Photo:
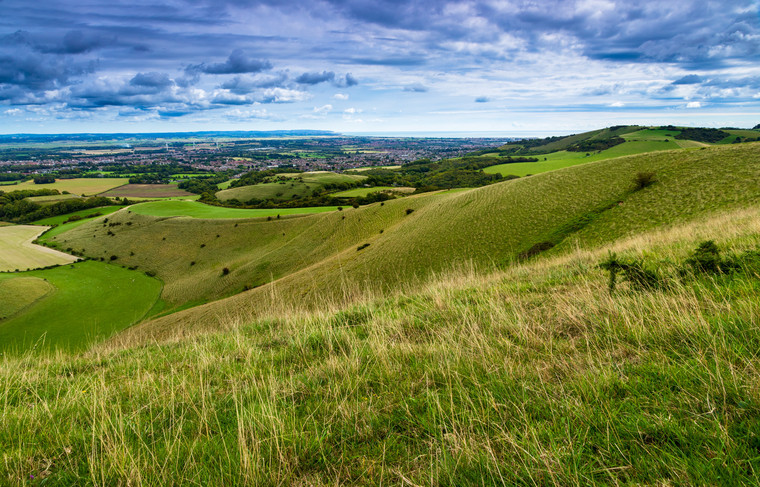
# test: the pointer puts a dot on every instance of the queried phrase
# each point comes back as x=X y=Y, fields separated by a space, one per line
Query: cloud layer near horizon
x=397 y=63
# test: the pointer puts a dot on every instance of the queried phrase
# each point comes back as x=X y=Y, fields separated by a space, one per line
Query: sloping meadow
x=532 y=375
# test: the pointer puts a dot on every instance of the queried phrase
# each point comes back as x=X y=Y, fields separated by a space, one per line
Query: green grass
x=352 y=193
x=638 y=142
x=199 y=210
x=65 y=227
x=295 y=186
x=58 y=220
x=18 y=253
x=591 y=203
x=531 y=376
x=49 y=200
x=91 y=301
x=16 y=294
x=78 y=186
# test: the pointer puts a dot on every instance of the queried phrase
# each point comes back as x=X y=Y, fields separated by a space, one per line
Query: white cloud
x=323 y=109
x=13 y=111
x=617 y=104
x=352 y=110
x=694 y=104
x=340 y=96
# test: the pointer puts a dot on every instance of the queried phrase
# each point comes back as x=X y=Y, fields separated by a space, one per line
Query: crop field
x=146 y=191
x=79 y=186
x=90 y=302
x=49 y=200
x=302 y=185
x=194 y=209
x=18 y=252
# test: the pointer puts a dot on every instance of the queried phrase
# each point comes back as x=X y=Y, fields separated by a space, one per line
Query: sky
x=376 y=66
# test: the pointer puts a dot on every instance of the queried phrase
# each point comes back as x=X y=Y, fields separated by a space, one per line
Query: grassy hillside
x=326 y=255
x=90 y=301
x=535 y=375
x=636 y=142
x=194 y=209
x=292 y=185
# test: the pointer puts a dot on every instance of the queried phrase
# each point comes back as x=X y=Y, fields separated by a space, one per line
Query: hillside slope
x=535 y=375
x=494 y=225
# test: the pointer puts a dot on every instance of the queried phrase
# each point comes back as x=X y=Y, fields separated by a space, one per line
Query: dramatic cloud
x=315 y=78
x=238 y=62
x=209 y=61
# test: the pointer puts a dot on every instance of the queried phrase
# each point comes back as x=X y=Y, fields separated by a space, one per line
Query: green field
x=359 y=192
x=49 y=200
x=639 y=142
x=199 y=210
x=17 y=251
x=91 y=301
x=64 y=227
x=79 y=186
x=19 y=293
x=302 y=185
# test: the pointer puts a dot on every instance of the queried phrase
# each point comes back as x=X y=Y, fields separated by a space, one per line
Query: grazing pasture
x=64 y=226
x=18 y=252
x=16 y=294
x=91 y=301
x=78 y=186
x=194 y=209
x=146 y=191
x=360 y=192
x=49 y=200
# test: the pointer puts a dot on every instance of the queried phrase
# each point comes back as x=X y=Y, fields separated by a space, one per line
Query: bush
x=409 y=211
x=225 y=271
x=644 y=179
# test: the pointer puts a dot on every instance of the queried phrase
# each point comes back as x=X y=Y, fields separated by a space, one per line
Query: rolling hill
x=290 y=185
x=318 y=256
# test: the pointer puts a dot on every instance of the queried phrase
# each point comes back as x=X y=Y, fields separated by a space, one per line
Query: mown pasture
x=49 y=200
x=78 y=186
x=17 y=252
x=90 y=301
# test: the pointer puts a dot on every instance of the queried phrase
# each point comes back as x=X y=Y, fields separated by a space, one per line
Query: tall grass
x=536 y=375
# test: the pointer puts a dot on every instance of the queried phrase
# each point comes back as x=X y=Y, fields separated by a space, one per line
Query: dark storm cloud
x=151 y=80
x=237 y=63
x=39 y=72
x=315 y=78
x=242 y=85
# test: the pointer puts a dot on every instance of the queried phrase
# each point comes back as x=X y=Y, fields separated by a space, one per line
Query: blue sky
x=509 y=66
